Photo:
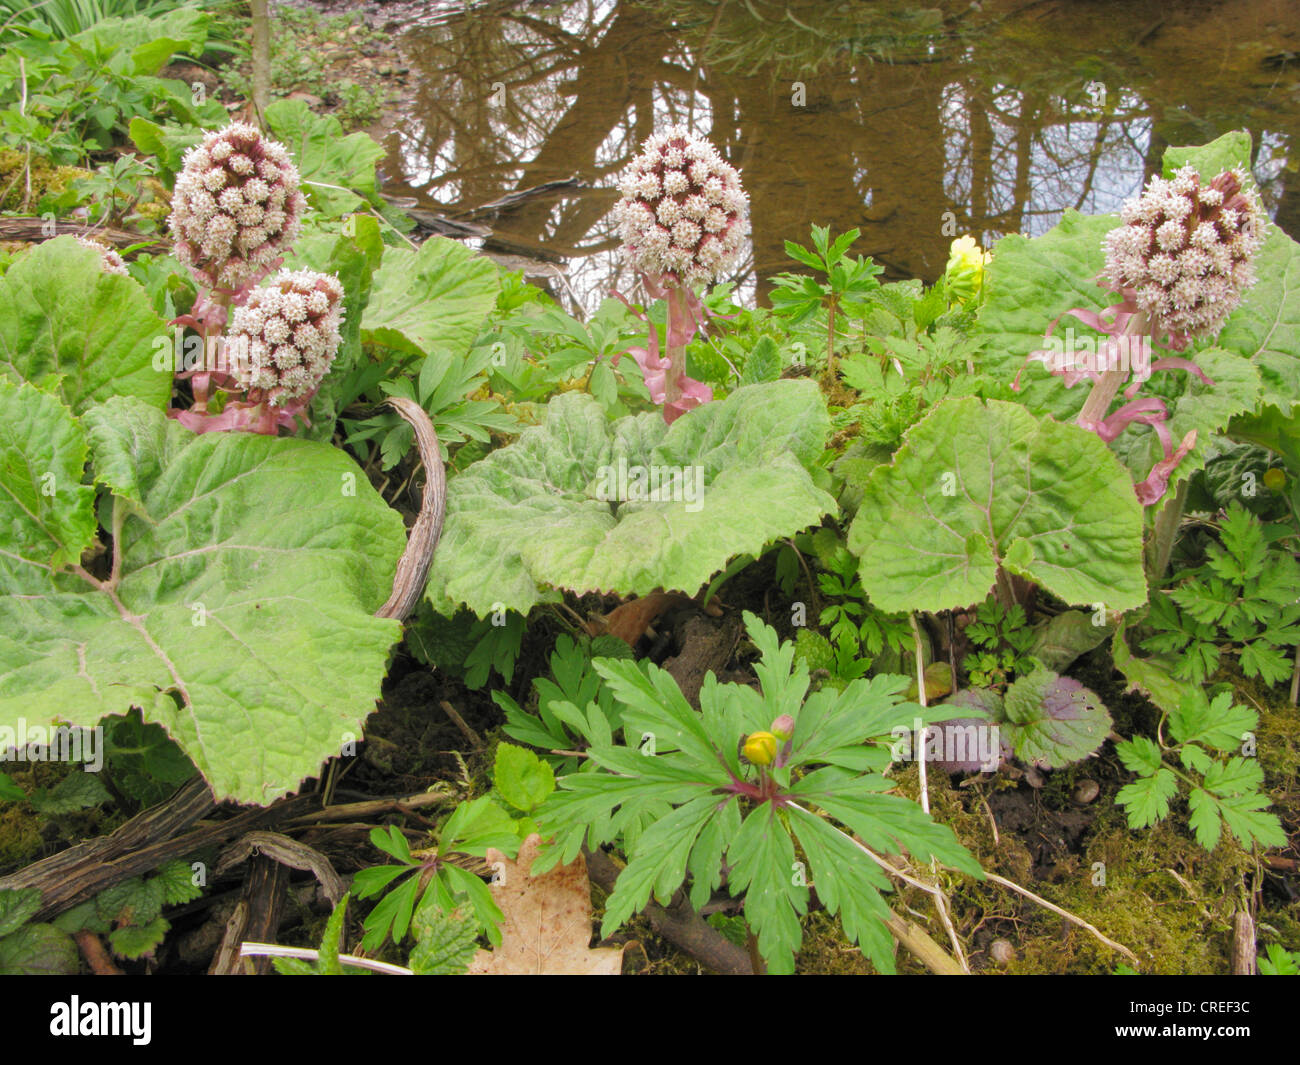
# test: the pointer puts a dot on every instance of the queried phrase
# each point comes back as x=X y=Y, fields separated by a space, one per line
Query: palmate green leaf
x=979 y=485
x=38 y=950
x=522 y=778
x=658 y=866
x=528 y=519
x=445 y=943
x=848 y=884
x=242 y=620
x=1217 y=723
x=1258 y=659
x=763 y=867
x=1146 y=800
x=1224 y=153
x=884 y=823
x=17 y=907
x=436 y=297
x=70 y=328
x=1030 y=283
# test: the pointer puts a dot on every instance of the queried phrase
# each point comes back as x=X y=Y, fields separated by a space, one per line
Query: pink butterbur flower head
x=236 y=208
x=284 y=337
x=683 y=217
x=1184 y=251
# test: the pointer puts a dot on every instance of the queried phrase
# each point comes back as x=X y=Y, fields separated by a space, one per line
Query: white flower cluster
x=110 y=262
x=236 y=207
x=682 y=217
x=1186 y=250
x=284 y=336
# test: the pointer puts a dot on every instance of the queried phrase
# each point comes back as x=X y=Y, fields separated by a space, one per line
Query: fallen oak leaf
x=547 y=923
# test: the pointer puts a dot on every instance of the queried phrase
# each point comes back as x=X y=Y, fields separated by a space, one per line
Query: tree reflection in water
x=913 y=125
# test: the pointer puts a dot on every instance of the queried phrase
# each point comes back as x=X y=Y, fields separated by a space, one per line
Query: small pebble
x=1085 y=791
x=1002 y=952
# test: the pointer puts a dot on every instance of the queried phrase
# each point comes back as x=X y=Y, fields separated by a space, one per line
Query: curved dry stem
x=413 y=566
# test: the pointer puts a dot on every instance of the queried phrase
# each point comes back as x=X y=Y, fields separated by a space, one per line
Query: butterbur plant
x=1180 y=262
x=743 y=782
x=682 y=219
x=236 y=211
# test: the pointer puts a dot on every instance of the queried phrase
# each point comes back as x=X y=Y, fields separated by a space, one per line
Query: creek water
x=914 y=123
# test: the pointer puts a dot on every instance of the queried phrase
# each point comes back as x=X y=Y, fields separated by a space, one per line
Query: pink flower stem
x=1106 y=387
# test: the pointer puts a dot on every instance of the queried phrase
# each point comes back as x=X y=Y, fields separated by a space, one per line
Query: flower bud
x=783 y=727
x=760 y=748
x=1274 y=479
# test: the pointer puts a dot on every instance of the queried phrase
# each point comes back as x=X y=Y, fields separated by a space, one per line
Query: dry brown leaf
x=547 y=922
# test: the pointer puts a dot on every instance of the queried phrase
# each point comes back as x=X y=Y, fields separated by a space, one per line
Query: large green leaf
x=981 y=485
x=325 y=157
x=434 y=298
x=241 y=615
x=67 y=325
x=48 y=513
x=529 y=518
x=1266 y=330
x=1031 y=282
x=1226 y=152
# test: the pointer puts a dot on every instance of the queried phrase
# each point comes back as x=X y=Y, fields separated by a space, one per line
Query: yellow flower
x=760 y=748
x=964 y=274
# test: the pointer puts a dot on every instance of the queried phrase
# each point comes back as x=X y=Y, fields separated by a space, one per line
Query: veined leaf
x=241 y=620
x=981 y=486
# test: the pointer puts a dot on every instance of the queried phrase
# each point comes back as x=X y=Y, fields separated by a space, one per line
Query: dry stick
x=1063 y=913
x=940 y=902
x=92 y=949
x=1295 y=679
x=274 y=950
x=1243 y=944
x=468 y=732
x=678 y=923
x=1008 y=884
x=361 y=810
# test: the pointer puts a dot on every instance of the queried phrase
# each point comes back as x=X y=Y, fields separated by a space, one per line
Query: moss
x=46 y=180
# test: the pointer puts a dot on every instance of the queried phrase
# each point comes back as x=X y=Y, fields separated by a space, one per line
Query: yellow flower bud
x=760 y=748
x=964 y=274
x=1274 y=479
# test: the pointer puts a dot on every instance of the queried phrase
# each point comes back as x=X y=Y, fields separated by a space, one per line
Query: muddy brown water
x=911 y=122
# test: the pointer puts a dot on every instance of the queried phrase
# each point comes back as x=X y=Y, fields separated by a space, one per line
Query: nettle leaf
x=17 y=906
x=1031 y=282
x=982 y=485
x=529 y=518
x=436 y=297
x=68 y=327
x=38 y=950
x=242 y=617
x=1052 y=720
